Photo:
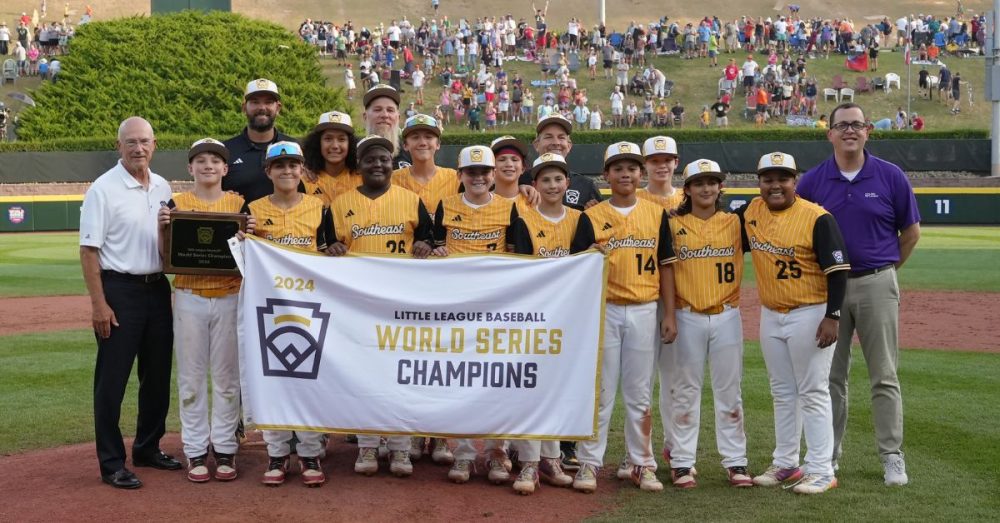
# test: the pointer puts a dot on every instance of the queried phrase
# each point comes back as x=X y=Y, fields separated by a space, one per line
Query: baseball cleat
x=461 y=471
x=399 y=463
x=624 y=471
x=775 y=475
x=683 y=478
x=527 y=480
x=312 y=472
x=815 y=484
x=739 y=477
x=275 y=474
x=367 y=462
x=441 y=454
x=569 y=461
x=586 y=479
x=498 y=472
x=645 y=478
x=551 y=471
x=416 y=448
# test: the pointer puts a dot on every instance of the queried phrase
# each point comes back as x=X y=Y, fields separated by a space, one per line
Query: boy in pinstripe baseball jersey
x=293 y=219
x=801 y=265
x=708 y=272
x=379 y=217
x=204 y=328
x=476 y=221
x=636 y=236
x=422 y=140
x=545 y=231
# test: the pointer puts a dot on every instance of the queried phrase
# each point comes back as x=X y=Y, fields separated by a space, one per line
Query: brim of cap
x=421 y=126
x=778 y=168
x=511 y=142
x=662 y=153
x=552 y=163
x=208 y=148
x=333 y=125
x=714 y=174
x=477 y=164
x=381 y=142
x=566 y=125
x=376 y=93
x=624 y=156
x=264 y=91
x=298 y=157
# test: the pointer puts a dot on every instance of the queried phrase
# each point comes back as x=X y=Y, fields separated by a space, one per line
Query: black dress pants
x=145 y=332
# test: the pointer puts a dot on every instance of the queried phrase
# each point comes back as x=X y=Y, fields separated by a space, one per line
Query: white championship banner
x=463 y=346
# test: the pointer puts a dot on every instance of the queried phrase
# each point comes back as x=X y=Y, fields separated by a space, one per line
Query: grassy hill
x=618 y=12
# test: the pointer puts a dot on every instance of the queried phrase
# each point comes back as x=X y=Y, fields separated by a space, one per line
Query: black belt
x=869 y=272
x=137 y=278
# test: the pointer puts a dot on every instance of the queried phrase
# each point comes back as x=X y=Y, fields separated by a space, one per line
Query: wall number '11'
x=942 y=206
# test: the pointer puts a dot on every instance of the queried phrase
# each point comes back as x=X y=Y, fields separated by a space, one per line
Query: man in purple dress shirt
x=877 y=212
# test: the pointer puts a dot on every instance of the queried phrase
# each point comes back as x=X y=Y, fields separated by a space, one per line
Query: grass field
x=48 y=264
x=46 y=379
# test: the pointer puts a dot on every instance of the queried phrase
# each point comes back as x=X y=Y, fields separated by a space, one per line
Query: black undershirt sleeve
x=440 y=232
x=665 y=247
x=831 y=252
x=424 y=231
x=584 y=236
x=836 y=288
x=521 y=238
x=324 y=234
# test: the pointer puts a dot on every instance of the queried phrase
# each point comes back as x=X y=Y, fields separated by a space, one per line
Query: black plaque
x=198 y=243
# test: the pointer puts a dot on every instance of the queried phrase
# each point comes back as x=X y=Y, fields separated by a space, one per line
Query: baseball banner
x=463 y=346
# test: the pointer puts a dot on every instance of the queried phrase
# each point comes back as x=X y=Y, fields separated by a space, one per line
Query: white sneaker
x=367 y=462
x=624 y=471
x=815 y=484
x=461 y=471
x=441 y=453
x=399 y=463
x=895 y=470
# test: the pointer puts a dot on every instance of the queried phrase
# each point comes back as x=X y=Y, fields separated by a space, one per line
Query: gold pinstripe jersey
x=520 y=201
x=328 y=188
x=637 y=245
x=792 y=250
x=444 y=183
x=667 y=202
x=387 y=224
x=709 y=266
x=465 y=229
x=305 y=226
x=536 y=235
x=208 y=286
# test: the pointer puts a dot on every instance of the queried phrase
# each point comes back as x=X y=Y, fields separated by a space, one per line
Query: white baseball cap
x=335 y=120
x=476 y=156
x=659 y=145
x=777 y=161
x=261 y=85
x=701 y=168
x=622 y=150
x=549 y=160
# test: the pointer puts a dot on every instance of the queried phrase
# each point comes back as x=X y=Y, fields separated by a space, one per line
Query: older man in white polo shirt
x=130 y=299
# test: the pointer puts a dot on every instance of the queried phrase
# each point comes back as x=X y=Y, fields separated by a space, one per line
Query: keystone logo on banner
x=291 y=338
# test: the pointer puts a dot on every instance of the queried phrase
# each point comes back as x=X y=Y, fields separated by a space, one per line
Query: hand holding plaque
x=196 y=243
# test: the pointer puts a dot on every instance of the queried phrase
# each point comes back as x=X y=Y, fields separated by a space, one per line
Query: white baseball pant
x=309 y=446
x=719 y=339
x=205 y=345
x=465 y=448
x=533 y=450
x=393 y=442
x=800 y=384
x=629 y=333
x=665 y=368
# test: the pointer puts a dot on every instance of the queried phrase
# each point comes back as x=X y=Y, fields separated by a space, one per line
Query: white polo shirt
x=119 y=218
